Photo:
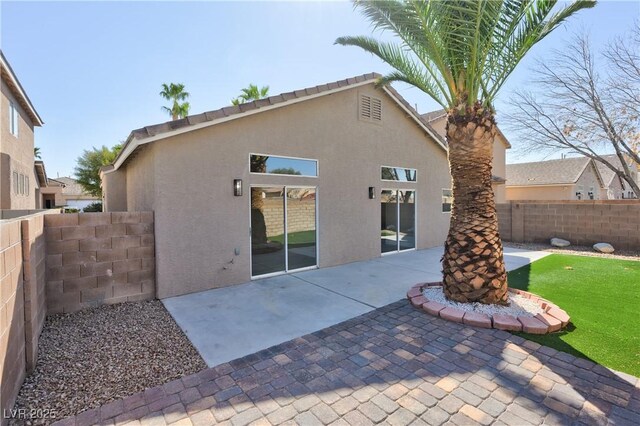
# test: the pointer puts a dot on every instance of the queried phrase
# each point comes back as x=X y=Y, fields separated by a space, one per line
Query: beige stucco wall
x=499 y=157
x=558 y=192
x=199 y=223
x=114 y=190
x=16 y=155
x=587 y=180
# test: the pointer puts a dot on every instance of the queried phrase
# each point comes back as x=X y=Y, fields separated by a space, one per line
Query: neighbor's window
x=270 y=164
x=16 y=184
x=447 y=200
x=398 y=174
x=26 y=185
x=13 y=119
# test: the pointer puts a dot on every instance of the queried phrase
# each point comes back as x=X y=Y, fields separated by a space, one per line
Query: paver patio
x=228 y=323
x=393 y=365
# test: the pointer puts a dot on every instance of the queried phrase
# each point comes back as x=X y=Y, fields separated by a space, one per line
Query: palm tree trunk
x=473 y=263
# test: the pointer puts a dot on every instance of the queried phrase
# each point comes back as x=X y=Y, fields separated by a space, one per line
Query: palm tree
x=175 y=93
x=36 y=152
x=251 y=93
x=460 y=53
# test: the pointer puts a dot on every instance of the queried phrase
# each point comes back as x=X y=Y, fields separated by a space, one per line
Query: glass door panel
x=267 y=230
x=389 y=221
x=407 y=219
x=301 y=228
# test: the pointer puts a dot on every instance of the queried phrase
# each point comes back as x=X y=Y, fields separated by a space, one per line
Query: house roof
x=193 y=122
x=432 y=116
x=551 y=172
x=9 y=77
x=41 y=173
x=607 y=174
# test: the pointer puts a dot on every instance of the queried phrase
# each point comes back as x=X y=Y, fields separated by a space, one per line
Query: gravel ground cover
x=577 y=250
x=91 y=357
x=519 y=306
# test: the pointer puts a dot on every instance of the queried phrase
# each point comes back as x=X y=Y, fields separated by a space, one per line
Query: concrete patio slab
x=228 y=323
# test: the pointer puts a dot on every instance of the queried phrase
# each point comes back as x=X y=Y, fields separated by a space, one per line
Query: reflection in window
x=398 y=174
x=270 y=164
x=447 y=200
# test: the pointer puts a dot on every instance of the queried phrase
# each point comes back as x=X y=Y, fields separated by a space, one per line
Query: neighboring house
x=318 y=177
x=616 y=188
x=66 y=192
x=438 y=120
x=19 y=187
x=574 y=178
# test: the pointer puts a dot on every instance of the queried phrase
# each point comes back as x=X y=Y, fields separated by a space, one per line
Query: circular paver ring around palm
x=552 y=319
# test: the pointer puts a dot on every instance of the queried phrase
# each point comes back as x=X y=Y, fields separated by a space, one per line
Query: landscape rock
x=559 y=242
x=603 y=248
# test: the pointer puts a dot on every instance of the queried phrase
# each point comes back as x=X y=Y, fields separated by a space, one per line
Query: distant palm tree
x=176 y=94
x=460 y=53
x=251 y=93
x=36 y=153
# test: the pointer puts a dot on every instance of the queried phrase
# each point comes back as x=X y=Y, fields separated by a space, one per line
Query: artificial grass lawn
x=602 y=297
x=300 y=237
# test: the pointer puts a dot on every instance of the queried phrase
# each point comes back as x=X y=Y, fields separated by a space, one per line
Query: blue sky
x=93 y=69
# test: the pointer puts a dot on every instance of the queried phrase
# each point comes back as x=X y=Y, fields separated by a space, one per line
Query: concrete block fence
x=52 y=263
x=582 y=222
x=99 y=258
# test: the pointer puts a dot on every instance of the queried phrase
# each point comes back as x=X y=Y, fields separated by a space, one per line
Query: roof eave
x=14 y=84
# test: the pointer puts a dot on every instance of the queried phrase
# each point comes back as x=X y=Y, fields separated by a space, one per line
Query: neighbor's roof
x=12 y=81
x=606 y=173
x=552 y=172
x=193 y=122
x=432 y=116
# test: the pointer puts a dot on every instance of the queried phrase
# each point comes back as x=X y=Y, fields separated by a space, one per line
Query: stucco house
x=615 y=188
x=573 y=178
x=438 y=120
x=322 y=176
x=19 y=184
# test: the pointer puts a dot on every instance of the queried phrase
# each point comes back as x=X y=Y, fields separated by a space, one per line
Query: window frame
x=401 y=181
x=14 y=122
x=288 y=158
x=443 y=203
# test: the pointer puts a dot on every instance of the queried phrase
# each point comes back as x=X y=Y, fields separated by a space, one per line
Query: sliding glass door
x=283 y=229
x=397 y=220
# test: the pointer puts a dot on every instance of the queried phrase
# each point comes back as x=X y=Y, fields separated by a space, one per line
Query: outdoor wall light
x=372 y=192
x=237 y=187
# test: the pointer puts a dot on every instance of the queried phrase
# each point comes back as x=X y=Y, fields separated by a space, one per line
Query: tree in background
x=251 y=93
x=87 y=170
x=460 y=53
x=583 y=107
x=176 y=94
x=36 y=153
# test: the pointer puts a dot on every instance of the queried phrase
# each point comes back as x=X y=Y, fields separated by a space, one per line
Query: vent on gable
x=370 y=108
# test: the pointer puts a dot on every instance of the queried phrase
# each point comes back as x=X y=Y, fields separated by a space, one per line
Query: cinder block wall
x=12 y=331
x=33 y=274
x=581 y=222
x=98 y=258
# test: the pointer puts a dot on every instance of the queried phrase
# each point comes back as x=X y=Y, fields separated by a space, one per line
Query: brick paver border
x=551 y=320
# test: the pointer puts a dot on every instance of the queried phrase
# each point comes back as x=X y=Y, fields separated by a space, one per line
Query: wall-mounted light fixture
x=237 y=187
x=372 y=192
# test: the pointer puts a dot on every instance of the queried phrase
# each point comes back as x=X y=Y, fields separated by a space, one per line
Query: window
x=398 y=174
x=26 y=185
x=370 y=108
x=21 y=184
x=447 y=200
x=16 y=184
x=13 y=119
x=269 y=164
